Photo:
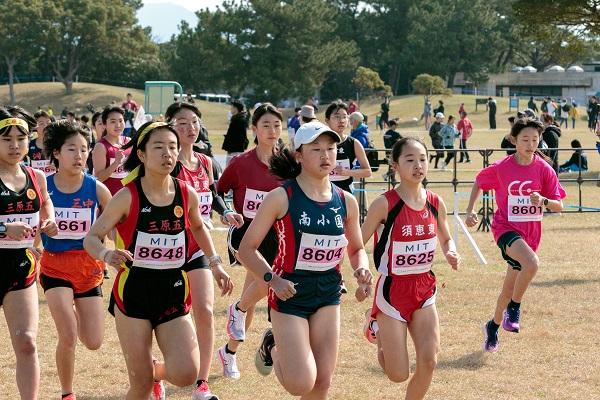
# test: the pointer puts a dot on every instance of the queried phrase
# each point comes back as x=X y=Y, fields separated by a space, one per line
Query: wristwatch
x=214 y=260
x=545 y=201
x=268 y=277
x=2 y=227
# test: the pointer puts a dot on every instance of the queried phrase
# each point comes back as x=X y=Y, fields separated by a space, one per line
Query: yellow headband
x=131 y=176
x=14 y=122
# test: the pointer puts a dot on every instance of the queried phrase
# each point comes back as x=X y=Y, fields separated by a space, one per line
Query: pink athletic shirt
x=513 y=183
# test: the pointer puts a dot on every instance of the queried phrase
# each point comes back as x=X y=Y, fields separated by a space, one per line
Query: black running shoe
x=263 y=360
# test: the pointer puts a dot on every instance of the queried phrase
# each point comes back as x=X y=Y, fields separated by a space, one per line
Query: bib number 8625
x=414 y=259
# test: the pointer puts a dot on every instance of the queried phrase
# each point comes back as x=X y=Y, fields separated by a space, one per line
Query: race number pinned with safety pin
x=520 y=208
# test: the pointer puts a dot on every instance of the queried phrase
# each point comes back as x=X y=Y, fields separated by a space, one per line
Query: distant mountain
x=164 y=19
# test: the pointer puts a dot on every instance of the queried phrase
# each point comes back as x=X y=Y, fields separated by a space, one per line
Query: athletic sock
x=199 y=382
x=493 y=325
x=65 y=395
x=227 y=350
x=239 y=309
x=514 y=305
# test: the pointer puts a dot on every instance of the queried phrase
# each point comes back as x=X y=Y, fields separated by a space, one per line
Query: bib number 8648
x=145 y=252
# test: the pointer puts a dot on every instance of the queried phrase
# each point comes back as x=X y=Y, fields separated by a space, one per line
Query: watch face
x=267 y=277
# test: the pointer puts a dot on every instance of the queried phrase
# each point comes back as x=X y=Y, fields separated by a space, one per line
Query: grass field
x=554 y=356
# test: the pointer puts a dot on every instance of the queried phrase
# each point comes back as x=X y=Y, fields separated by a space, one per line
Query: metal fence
x=363 y=186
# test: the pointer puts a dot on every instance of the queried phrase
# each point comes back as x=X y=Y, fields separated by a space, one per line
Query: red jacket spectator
x=465 y=127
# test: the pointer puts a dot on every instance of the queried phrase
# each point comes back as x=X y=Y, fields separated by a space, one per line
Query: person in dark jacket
x=551 y=135
x=531 y=105
x=236 y=140
x=436 y=138
x=492 y=107
x=578 y=160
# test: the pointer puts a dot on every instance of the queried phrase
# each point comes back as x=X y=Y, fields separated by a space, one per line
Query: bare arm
x=116 y=210
x=101 y=171
x=365 y=168
x=103 y=195
x=356 y=249
x=47 y=222
x=471 y=219
x=446 y=241
x=376 y=215
x=273 y=207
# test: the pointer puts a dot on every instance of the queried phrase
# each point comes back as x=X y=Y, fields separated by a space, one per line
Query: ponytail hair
x=284 y=165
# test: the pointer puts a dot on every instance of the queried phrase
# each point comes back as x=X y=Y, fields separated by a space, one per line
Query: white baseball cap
x=310 y=131
x=439 y=115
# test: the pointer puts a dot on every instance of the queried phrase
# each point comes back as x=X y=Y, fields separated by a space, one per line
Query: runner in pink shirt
x=524 y=184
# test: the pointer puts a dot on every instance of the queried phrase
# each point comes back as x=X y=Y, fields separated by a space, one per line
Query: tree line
x=274 y=49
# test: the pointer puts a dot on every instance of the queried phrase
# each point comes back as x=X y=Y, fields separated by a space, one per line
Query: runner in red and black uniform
x=25 y=208
x=196 y=169
x=407 y=221
x=248 y=176
x=37 y=158
x=108 y=155
x=151 y=291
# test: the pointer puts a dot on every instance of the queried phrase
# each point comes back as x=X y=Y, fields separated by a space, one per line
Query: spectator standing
x=307 y=114
x=359 y=131
x=427 y=113
x=293 y=124
x=564 y=113
x=236 y=140
x=436 y=139
x=551 y=135
x=551 y=107
x=390 y=137
x=449 y=134
x=352 y=106
x=440 y=108
x=465 y=128
x=573 y=113
x=506 y=142
x=461 y=109
x=492 y=107
x=130 y=107
x=593 y=111
x=531 y=105
x=384 y=114
x=544 y=106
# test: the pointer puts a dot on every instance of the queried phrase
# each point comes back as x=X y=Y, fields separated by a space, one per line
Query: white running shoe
x=236 y=323
x=202 y=392
x=229 y=362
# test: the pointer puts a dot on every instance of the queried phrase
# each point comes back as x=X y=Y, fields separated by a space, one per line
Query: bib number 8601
x=414 y=259
x=526 y=210
x=145 y=252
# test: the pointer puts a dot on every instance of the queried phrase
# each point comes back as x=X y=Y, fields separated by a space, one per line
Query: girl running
x=25 y=208
x=36 y=155
x=151 y=292
x=196 y=169
x=348 y=151
x=524 y=184
x=315 y=222
x=407 y=221
x=71 y=279
x=109 y=156
x=248 y=177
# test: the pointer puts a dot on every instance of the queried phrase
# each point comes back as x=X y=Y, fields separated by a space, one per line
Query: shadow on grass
x=471 y=362
x=564 y=282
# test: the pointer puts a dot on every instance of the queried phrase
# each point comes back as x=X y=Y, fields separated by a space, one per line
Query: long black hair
x=283 y=163
x=17 y=112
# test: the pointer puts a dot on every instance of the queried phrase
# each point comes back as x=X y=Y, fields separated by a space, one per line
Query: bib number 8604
x=321 y=254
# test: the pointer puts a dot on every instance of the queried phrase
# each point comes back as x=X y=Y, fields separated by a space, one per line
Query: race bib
x=120 y=172
x=33 y=220
x=320 y=252
x=205 y=204
x=159 y=251
x=252 y=200
x=333 y=177
x=73 y=223
x=520 y=209
x=413 y=257
x=44 y=165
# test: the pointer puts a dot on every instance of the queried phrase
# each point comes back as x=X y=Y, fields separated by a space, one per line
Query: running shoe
x=263 y=360
x=158 y=391
x=343 y=287
x=370 y=328
x=236 y=323
x=106 y=274
x=490 y=335
x=202 y=392
x=510 y=319
x=229 y=362
x=70 y=396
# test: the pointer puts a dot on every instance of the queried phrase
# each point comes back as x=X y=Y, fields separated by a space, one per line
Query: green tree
x=582 y=16
x=429 y=84
x=18 y=44
x=83 y=32
x=369 y=81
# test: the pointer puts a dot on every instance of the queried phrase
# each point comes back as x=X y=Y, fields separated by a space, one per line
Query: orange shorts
x=74 y=266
